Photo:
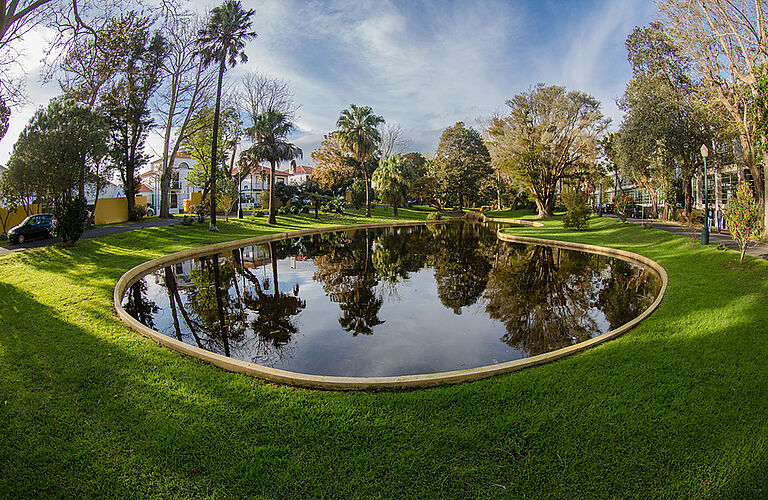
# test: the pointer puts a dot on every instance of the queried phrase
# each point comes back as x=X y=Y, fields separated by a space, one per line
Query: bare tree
x=393 y=140
x=727 y=42
x=188 y=88
x=261 y=92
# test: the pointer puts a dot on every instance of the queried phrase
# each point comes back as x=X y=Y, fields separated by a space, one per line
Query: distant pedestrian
x=719 y=220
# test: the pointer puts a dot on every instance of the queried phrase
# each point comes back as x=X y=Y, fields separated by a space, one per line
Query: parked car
x=34 y=226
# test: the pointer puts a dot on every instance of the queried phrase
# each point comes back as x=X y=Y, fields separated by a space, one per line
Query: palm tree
x=222 y=41
x=268 y=132
x=359 y=135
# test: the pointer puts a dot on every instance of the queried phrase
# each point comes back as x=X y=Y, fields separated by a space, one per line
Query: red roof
x=302 y=169
x=260 y=168
x=144 y=188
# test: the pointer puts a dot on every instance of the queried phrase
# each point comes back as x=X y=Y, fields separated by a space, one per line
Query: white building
x=110 y=190
x=256 y=180
x=180 y=189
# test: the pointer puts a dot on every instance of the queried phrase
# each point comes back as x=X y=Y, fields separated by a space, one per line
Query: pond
x=395 y=301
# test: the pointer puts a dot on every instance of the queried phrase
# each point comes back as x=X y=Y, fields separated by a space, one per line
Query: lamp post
x=705 y=231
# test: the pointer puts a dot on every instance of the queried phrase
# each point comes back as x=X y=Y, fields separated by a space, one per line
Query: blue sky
x=421 y=64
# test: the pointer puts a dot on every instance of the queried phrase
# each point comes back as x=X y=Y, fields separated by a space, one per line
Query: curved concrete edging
x=522 y=222
x=366 y=383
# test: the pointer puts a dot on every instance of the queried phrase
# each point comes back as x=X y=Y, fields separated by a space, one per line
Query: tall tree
x=269 y=132
x=393 y=180
x=198 y=141
x=126 y=104
x=462 y=161
x=360 y=137
x=334 y=169
x=56 y=153
x=548 y=133
x=187 y=89
x=261 y=93
x=664 y=113
x=727 y=43
x=222 y=41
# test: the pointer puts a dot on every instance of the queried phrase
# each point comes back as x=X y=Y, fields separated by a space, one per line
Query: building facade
x=181 y=189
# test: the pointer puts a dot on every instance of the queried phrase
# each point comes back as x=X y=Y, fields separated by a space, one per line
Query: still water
x=395 y=301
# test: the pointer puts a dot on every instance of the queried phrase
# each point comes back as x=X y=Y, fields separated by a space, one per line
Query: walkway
x=760 y=250
x=96 y=232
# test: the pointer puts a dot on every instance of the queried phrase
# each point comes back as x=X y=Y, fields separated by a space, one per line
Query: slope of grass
x=675 y=408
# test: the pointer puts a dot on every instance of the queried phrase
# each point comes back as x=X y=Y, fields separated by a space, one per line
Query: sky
x=423 y=65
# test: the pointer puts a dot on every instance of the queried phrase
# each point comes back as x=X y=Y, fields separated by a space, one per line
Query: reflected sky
x=395 y=301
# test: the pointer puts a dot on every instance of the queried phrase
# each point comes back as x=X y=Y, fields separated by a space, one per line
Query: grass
x=675 y=408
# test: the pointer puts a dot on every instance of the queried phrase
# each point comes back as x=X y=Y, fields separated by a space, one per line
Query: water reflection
x=414 y=299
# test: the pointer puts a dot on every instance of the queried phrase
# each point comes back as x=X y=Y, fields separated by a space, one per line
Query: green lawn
x=677 y=407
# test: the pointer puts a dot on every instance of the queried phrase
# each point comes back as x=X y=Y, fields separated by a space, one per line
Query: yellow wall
x=108 y=211
x=16 y=217
x=114 y=210
x=196 y=198
x=111 y=211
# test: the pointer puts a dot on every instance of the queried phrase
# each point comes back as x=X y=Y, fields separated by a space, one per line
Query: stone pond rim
x=373 y=383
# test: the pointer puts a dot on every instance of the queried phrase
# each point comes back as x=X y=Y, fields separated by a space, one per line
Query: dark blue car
x=34 y=226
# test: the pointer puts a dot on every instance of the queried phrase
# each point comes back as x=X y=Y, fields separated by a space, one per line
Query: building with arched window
x=180 y=189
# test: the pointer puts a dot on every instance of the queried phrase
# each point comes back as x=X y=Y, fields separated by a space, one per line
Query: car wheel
x=20 y=239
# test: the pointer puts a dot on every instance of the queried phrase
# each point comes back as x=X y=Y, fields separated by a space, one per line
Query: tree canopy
x=548 y=133
x=462 y=162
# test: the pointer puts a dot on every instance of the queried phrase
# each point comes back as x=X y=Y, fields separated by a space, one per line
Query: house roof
x=179 y=156
x=144 y=188
x=303 y=169
x=261 y=168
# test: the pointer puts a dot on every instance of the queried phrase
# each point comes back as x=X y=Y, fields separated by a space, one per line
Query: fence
x=108 y=211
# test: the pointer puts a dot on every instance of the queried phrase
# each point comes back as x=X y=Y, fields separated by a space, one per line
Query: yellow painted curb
x=368 y=383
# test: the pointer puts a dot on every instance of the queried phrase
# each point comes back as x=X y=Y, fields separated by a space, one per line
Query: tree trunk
x=367 y=191
x=220 y=304
x=272 y=219
x=543 y=208
x=165 y=193
x=274 y=267
x=688 y=196
x=214 y=149
x=764 y=204
x=394 y=209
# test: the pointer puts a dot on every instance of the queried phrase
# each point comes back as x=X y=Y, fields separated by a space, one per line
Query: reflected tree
x=628 y=292
x=349 y=278
x=137 y=305
x=461 y=265
x=273 y=326
x=215 y=310
x=543 y=296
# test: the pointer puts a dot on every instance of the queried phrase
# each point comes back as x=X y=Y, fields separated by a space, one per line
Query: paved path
x=760 y=250
x=96 y=232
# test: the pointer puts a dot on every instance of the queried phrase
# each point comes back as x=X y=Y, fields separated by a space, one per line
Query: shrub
x=624 y=206
x=3 y=236
x=334 y=205
x=201 y=210
x=357 y=194
x=434 y=216
x=137 y=213
x=188 y=220
x=264 y=200
x=70 y=219
x=258 y=213
x=305 y=209
x=576 y=210
x=742 y=217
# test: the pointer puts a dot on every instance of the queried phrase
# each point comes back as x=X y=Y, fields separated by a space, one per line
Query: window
x=174 y=200
x=175 y=184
